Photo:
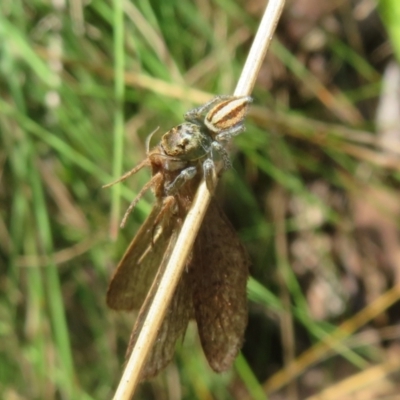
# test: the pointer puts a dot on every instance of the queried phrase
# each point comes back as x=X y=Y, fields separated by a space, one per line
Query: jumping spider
x=202 y=137
x=196 y=145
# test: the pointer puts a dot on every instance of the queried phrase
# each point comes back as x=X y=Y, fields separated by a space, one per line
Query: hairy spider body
x=203 y=135
x=195 y=146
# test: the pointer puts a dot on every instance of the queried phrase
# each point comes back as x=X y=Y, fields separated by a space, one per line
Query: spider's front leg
x=184 y=176
x=217 y=154
x=210 y=174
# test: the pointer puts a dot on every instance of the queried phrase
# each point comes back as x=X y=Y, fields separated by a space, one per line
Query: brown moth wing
x=219 y=270
x=175 y=321
x=136 y=270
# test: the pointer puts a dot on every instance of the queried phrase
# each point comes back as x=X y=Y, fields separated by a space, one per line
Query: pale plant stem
x=193 y=221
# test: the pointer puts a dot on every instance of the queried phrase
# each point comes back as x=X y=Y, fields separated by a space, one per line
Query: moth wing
x=136 y=271
x=220 y=268
x=174 y=324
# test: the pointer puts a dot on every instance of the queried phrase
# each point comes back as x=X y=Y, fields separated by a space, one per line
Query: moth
x=212 y=289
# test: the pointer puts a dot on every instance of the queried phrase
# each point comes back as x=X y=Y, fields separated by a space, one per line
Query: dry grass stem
x=319 y=351
x=366 y=383
x=193 y=220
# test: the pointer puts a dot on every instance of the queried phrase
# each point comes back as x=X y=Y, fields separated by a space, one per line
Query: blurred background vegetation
x=314 y=192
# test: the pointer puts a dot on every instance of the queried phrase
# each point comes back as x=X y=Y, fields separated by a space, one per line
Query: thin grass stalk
x=193 y=220
x=119 y=91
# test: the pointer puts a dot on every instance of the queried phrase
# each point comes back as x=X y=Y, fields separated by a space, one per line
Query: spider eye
x=184 y=142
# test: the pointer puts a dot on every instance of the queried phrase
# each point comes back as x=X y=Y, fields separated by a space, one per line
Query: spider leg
x=210 y=174
x=228 y=134
x=184 y=176
x=218 y=152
